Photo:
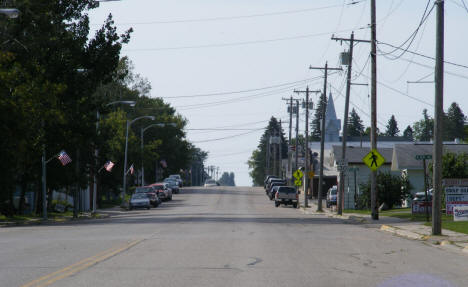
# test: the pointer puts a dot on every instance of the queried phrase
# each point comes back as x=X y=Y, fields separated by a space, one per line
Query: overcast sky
x=203 y=47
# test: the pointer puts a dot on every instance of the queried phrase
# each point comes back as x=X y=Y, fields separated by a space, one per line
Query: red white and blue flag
x=131 y=170
x=64 y=158
x=109 y=165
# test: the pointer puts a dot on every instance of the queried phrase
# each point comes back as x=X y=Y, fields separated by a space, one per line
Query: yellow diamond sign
x=298 y=174
x=298 y=182
x=373 y=160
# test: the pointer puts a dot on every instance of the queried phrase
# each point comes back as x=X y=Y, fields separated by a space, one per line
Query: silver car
x=139 y=200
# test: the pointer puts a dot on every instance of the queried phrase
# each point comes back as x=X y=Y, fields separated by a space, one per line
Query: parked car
x=421 y=196
x=332 y=196
x=139 y=200
x=267 y=178
x=272 y=182
x=173 y=184
x=178 y=178
x=210 y=182
x=162 y=190
x=151 y=193
x=286 y=195
x=270 y=179
x=271 y=192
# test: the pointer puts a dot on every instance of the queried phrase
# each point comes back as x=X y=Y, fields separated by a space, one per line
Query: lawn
x=405 y=213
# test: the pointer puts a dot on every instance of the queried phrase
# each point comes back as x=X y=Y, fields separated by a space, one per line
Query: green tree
x=424 y=129
x=390 y=190
x=316 y=129
x=392 y=127
x=455 y=122
x=408 y=133
x=258 y=159
x=355 y=126
x=227 y=179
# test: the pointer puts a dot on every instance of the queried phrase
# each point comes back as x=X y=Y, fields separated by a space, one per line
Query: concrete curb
x=402 y=233
x=35 y=222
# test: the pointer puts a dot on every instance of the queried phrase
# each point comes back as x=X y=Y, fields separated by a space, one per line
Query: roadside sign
x=311 y=174
x=298 y=174
x=342 y=168
x=342 y=162
x=455 y=196
x=298 y=182
x=423 y=156
x=373 y=160
x=460 y=213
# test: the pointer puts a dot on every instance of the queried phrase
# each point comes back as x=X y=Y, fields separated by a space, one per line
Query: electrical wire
x=241 y=91
x=411 y=38
x=231 y=44
x=422 y=55
x=228 y=18
x=464 y=5
x=228 y=137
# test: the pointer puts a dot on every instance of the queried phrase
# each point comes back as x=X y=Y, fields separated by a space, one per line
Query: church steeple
x=332 y=124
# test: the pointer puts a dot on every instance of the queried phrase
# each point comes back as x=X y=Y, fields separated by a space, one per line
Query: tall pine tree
x=355 y=126
x=392 y=127
x=455 y=122
x=316 y=132
x=408 y=133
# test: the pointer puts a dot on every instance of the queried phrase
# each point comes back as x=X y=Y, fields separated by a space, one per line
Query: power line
x=421 y=55
x=228 y=137
x=228 y=18
x=241 y=91
x=220 y=45
x=411 y=38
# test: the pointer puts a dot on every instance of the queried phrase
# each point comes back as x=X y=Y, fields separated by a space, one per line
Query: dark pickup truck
x=287 y=195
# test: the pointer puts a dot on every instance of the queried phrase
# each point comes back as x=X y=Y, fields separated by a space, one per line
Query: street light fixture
x=129 y=123
x=142 y=131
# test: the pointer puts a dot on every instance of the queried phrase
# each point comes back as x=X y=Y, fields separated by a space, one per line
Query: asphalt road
x=221 y=237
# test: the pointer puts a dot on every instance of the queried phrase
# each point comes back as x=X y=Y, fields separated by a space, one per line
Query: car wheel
x=277 y=204
x=295 y=205
x=130 y=208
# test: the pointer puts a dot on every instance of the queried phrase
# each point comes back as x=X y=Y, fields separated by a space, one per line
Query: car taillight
x=276 y=195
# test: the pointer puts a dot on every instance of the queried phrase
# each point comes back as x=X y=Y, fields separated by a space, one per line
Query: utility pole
x=322 y=137
x=306 y=149
x=268 y=154
x=374 y=191
x=438 y=120
x=297 y=136
x=340 y=200
x=280 y=162
x=291 y=112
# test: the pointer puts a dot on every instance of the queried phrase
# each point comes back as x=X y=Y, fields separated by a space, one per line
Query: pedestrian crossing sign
x=298 y=174
x=373 y=159
x=298 y=182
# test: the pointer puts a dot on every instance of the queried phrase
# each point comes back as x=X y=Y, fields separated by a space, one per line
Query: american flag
x=131 y=169
x=64 y=158
x=109 y=165
x=163 y=163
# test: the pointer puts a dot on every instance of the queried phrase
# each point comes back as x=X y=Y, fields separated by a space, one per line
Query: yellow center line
x=81 y=265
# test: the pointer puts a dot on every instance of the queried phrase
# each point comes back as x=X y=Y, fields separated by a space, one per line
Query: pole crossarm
x=349 y=39
x=322 y=68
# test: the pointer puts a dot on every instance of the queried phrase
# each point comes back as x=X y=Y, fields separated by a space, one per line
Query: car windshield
x=143 y=189
x=287 y=189
x=139 y=196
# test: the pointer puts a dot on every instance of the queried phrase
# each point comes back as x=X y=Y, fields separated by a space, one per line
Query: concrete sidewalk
x=449 y=240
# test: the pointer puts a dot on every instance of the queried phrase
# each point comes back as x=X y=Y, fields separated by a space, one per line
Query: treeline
x=422 y=130
x=55 y=79
x=227 y=179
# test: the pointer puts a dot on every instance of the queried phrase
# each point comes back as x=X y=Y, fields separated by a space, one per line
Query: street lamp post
x=96 y=150
x=129 y=123
x=142 y=131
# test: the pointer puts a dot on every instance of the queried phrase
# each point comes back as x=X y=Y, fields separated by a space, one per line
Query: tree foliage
x=424 y=129
x=355 y=126
x=389 y=188
x=258 y=160
x=408 y=133
x=392 y=129
x=316 y=132
x=227 y=179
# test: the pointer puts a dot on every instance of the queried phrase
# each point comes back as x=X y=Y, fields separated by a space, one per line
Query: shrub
x=392 y=190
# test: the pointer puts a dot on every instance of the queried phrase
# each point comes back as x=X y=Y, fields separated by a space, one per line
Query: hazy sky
x=207 y=49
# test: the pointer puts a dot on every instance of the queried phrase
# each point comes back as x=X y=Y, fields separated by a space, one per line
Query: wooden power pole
x=438 y=120
x=374 y=191
x=322 y=137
